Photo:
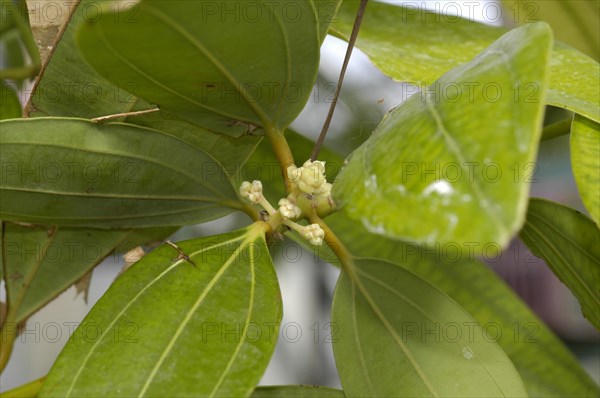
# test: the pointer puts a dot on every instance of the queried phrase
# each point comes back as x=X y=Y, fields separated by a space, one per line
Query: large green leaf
x=40 y=262
x=547 y=367
x=413 y=45
x=399 y=336
x=174 y=327
x=75 y=172
x=585 y=161
x=569 y=243
x=575 y=22
x=297 y=392
x=446 y=166
x=574 y=83
x=225 y=71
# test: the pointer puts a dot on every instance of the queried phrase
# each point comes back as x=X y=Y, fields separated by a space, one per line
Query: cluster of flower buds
x=309 y=188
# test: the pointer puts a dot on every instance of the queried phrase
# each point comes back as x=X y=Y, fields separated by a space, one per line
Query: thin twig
x=124 y=114
x=353 y=36
x=181 y=255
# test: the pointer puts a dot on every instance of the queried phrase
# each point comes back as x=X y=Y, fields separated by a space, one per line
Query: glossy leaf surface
x=546 y=365
x=585 y=161
x=412 y=45
x=211 y=331
x=399 y=336
x=75 y=172
x=258 y=70
x=569 y=244
x=447 y=165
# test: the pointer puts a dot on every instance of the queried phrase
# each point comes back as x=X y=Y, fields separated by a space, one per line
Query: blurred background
x=303 y=354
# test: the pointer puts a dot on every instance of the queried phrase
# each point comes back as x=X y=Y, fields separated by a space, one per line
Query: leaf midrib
x=361 y=356
x=13 y=308
x=378 y=313
x=96 y=195
x=126 y=156
x=424 y=313
x=456 y=151
x=249 y=242
x=207 y=289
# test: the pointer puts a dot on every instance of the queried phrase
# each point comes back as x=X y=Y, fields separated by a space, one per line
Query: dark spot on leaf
x=15 y=276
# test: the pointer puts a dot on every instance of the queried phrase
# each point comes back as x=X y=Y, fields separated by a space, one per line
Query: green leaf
x=400 y=336
x=568 y=242
x=297 y=392
x=16 y=37
x=585 y=161
x=258 y=70
x=10 y=107
x=14 y=52
x=547 y=367
x=575 y=22
x=74 y=172
x=211 y=331
x=417 y=46
x=433 y=164
x=574 y=83
x=41 y=261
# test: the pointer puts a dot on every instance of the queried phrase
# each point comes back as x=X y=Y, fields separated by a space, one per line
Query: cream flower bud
x=309 y=178
x=324 y=191
x=288 y=209
x=294 y=173
x=314 y=233
x=252 y=191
